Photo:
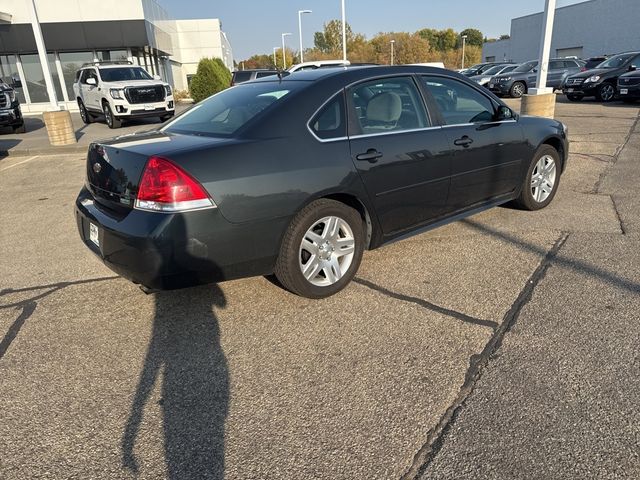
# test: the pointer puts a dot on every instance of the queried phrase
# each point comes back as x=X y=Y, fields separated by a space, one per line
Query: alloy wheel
x=607 y=92
x=326 y=251
x=543 y=178
x=107 y=115
x=83 y=113
x=518 y=90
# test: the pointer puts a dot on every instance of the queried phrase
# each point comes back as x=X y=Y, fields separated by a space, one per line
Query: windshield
x=121 y=74
x=226 y=112
x=493 y=70
x=617 y=61
x=525 y=67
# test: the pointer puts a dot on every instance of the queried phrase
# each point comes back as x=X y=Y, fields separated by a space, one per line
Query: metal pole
x=42 y=54
x=284 y=55
x=392 y=44
x=300 y=13
x=545 y=48
x=464 y=41
x=274 y=56
x=344 y=33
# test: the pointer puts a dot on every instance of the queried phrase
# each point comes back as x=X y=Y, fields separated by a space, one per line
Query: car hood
x=595 y=71
x=134 y=83
x=480 y=77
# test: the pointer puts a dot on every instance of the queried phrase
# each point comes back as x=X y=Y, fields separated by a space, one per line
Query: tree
x=408 y=48
x=330 y=40
x=258 y=61
x=474 y=37
x=211 y=77
x=505 y=36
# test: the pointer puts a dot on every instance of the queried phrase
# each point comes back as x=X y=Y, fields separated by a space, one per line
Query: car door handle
x=372 y=155
x=465 y=141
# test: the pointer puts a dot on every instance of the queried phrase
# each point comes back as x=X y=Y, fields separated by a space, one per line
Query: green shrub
x=211 y=77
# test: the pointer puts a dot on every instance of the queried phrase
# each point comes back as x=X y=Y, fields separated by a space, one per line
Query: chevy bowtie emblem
x=97 y=167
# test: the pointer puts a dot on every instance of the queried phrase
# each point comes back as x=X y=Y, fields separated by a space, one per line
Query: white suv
x=119 y=91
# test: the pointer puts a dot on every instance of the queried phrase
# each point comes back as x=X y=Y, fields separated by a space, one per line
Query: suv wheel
x=541 y=182
x=111 y=119
x=517 y=90
x=164 y=118
x=606 y=92
x=19 y=128
x=321 y=250
x=84 y=114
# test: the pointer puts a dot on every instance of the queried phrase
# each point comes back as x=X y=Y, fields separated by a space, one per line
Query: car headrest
x=384 y=107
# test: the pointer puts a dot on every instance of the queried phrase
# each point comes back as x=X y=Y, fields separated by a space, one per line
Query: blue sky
x=254 y=26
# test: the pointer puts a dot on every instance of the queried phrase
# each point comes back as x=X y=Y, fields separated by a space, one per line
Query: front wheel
x=606 y=92
x=112 y=121
x=542 y=179
x=517 y=90
x=321 y=250
x=164 y=118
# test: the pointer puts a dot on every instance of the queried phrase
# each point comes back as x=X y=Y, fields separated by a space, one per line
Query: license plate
x=569 y=90
x=624 y=91
x=149 y=107
x=93 y=234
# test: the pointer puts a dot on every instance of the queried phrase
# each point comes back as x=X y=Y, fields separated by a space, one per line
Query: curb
x=24 y=152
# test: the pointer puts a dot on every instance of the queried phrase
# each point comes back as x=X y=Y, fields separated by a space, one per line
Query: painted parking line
x=19 y=163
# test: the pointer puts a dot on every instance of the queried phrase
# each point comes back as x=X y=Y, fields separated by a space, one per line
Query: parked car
x=479 y=68
x=121 y=91
x=241 y=76
x=517 y=82
x=10 y=113
x=629 y=86
x=593 y=62
x=298 y=176
x=601 y=82
x=318 y=64
x=484 y=78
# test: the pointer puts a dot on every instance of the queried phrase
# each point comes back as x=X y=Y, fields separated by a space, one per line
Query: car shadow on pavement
x=185 y=352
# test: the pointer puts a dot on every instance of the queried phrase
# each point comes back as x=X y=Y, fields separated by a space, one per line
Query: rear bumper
x=168 y=251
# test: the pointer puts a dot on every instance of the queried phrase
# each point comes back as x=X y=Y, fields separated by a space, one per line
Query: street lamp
x=284 y=56
x=464 y=40
x=300 y=13
x=393 y=42
x=275 y=49
x=344 y=33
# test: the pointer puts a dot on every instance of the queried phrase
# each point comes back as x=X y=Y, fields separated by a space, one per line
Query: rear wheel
x=541 y=182
x=606 y=92
x=517 y=90
x=111 y=119
x=19 y=128
x=84 y=114
x=321 y=250
x=574 y=98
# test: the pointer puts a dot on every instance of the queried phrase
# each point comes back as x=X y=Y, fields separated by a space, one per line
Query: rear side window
x=242 y=76
x=221 y=115
x=387 y=105
x=330 y=121
x=459 y=103
x=556 y=65
x=264 y=74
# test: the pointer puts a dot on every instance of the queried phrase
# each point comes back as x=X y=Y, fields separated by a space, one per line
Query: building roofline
x=558 y=8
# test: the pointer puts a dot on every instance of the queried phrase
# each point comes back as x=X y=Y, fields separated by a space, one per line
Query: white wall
x=73 y=10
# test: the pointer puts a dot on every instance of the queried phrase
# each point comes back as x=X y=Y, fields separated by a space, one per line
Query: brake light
x=165 y=187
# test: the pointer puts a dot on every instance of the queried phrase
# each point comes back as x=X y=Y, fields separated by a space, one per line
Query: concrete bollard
x=60 y=127
x=541 y=105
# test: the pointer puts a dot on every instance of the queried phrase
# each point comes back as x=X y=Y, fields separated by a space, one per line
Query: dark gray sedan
x=298 y=175
x=517 y=82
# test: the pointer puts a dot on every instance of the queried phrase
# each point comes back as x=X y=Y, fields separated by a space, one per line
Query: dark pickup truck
x=10 y=114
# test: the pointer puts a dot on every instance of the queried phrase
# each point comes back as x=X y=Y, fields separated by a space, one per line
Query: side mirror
x=91 y=81
x=632 y=68
x=157 y=77
x=504 y=113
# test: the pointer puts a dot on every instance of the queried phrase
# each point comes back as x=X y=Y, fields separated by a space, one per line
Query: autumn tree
x=408 y=48
x=474 y=37
x=330 y=40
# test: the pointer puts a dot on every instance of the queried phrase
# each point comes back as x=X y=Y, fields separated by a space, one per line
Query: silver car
x=484 y=78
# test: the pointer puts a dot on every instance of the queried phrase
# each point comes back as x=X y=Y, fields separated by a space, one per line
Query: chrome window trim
x=479 y=123
x=392 y=132
x=326 y=140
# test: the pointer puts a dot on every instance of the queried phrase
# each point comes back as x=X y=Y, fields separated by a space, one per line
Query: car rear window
x=241 y=76
x=223 y=114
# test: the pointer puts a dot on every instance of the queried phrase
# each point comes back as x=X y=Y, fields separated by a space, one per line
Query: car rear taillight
x=583 y=69
x=165 y=187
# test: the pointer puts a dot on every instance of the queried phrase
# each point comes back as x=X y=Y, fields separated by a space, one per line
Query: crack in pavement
x=477 y=363
x=623 y=228
x=618 y=152
x=428 y=305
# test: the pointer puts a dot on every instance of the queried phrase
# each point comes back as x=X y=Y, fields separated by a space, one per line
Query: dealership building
x=81 y=31
x=584 y=30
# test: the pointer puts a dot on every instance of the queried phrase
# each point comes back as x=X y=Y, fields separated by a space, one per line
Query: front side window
x=89 y=73
x=221 y=115
x=387 y=105
x=459 y=103
x=330 y=121
x=526 y=67
x=617 y=61
x=124 y=74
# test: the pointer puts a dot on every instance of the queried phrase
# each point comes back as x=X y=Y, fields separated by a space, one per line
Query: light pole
x=545 y=47
x=275 y=49
x=464 y=41
x=344 y=33
x=393 y=42
x=284 y=56
x=300 y=13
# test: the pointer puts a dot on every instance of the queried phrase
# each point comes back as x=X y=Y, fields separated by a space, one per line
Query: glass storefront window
x=71 y=63
x=9 y=75
x=34 y=78
x=112 y=55
x=54 y=75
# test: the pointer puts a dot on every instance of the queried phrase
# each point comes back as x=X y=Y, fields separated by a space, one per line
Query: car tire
x=164 y=118
x=574 y=98
x=517 y=90
x=541 y=181
x=84 y=113
x=321 y=249
x=19 y=128
x=112 y=120
x=606 y=93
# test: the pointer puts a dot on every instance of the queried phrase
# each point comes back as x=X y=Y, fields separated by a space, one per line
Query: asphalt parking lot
x=503 y=346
